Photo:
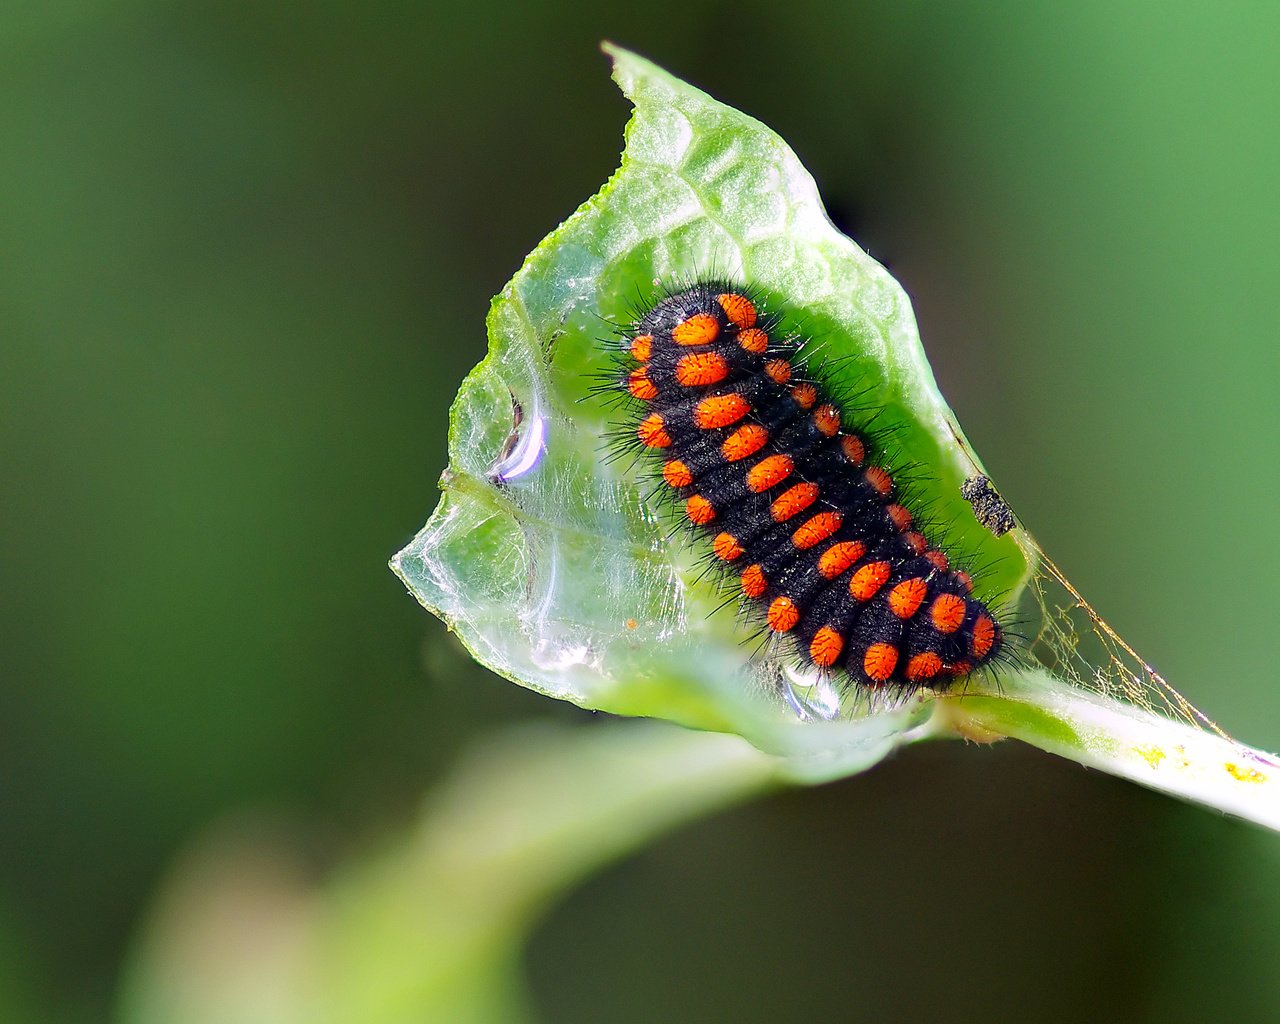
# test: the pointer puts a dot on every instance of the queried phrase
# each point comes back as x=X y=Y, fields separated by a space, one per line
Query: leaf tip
x=628 y=66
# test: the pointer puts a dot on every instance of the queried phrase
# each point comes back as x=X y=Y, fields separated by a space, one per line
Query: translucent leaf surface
x=562 y=578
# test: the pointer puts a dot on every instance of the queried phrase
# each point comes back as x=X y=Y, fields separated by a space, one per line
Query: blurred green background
x=245 y=256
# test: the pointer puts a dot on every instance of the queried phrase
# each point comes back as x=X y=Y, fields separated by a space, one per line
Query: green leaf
x=431 y=929
x=564 y=579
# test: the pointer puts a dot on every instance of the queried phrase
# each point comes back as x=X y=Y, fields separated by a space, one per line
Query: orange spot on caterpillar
x=947 y=613
x=827 y=419
x=642 y=347
x=837 y=558
x=854 y=450
x=699 y=510
x=916 y=542
x=805 y=395
x=924 y=665
x=880 y=661
x=753 y=581
x=984 y=636
x=726 y=547
x=778 y=370
x=793 y=501
x=825 y=647
x=640 y=386
x=754 y=340
x=699 y=329
x=879 y=480
x=768 y=472
x=738 y=309
x=966 y=580
x=960 y=668
x=906 y=597
x=699 y=369
x=938 y=560
x=899 y=516
x=743 y=442
x=653 y=433
x=677 y=474
x=631 y=624
x=816 y=530
x=783 y=614
x=868 y=579
x=720 y=411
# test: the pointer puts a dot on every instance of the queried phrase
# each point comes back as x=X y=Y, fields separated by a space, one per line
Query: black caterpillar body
x=791 y=497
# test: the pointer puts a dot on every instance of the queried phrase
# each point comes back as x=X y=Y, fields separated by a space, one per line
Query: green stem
x=1099 y=732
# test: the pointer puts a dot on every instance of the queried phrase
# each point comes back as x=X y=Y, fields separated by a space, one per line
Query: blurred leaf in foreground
x=431 y=930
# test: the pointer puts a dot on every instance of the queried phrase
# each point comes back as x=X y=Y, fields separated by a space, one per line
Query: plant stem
x=1134 y=744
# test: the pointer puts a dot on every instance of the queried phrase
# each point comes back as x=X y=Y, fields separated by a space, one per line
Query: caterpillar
x=799 y=512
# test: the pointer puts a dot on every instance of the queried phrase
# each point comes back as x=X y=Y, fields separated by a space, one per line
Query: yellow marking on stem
x=1242 y=773
x=1152 y=754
